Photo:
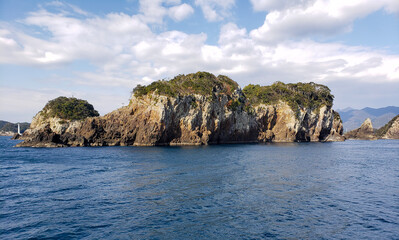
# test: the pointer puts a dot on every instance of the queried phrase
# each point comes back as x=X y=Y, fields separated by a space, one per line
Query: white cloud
x=269 y=5
x=124 y=51
x=96 y=39
x=67 y=8
x=154 y=11
x=180 y=12
x=215 y=10
x=306 y=18
x=172 y=2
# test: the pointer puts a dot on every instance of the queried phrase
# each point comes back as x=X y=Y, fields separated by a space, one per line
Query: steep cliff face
x=220 y=114
x=49 y=132
x=279 y=123
x=390 y=130
x=364 y=132
x=161 y=120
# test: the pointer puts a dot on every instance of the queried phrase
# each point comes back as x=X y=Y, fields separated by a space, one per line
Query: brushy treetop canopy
x=69 y=109
x=308 y=95
x=298 y=95
x=202 y=83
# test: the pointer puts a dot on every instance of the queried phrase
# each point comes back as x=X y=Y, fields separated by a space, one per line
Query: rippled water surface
x=344 y=190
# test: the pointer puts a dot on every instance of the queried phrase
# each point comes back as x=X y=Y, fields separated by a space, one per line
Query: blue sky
x=100 y=50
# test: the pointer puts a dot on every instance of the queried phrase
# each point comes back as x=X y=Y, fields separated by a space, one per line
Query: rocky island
x=367 y=132
x=390 y=130
x=364 y=132
x=193 y=109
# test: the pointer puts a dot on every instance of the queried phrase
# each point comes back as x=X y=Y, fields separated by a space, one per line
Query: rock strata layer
x=390 y=130
x=364 y=132
x=191 y=119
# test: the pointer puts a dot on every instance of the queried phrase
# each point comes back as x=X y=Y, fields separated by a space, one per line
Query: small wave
x=67 y=189
x=383 y=220
x=9 y=168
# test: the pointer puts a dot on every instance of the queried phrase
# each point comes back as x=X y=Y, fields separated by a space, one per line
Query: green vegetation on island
x=383 y=130
x=297 y=96
x=304 y=95
x=69 y=109
x=202 y=83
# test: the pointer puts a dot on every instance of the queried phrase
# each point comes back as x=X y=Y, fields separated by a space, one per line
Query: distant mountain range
x=353 y=118
x=6 y=127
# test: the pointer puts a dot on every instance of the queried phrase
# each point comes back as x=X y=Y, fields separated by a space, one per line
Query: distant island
x=367 y=132
x=353 y=118
x=10 y=129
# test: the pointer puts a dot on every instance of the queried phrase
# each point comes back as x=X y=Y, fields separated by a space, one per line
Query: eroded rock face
x=278 y=123
x=364 y=132
x=187 y=120
x=393 y=130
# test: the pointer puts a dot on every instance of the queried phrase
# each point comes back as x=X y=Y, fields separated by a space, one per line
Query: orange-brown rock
x=364 y=132
x=390 y=130
x=175 y=121
x=190 y=119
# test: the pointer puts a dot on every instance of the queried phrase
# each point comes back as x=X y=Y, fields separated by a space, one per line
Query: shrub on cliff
x=202 y=83
x=304 y=95
x=299 y=95
x=69 y=109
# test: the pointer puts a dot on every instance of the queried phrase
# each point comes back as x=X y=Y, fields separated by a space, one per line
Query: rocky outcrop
x=7 y=133
x=16 y=136
x=190 y=119
x=390 y=130
x=364 y=132
x=279 y=123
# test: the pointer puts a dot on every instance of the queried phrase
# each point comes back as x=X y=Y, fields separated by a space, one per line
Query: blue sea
x=340 y=190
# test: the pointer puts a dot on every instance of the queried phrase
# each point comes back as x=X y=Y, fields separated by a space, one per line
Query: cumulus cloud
x=180 y=12
x=306 y=18
x=96 y=39
x=123 y=47
x=118 y=43
x=154 y=11
x=215 y=10
x=269 y=5
x=124 y=51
